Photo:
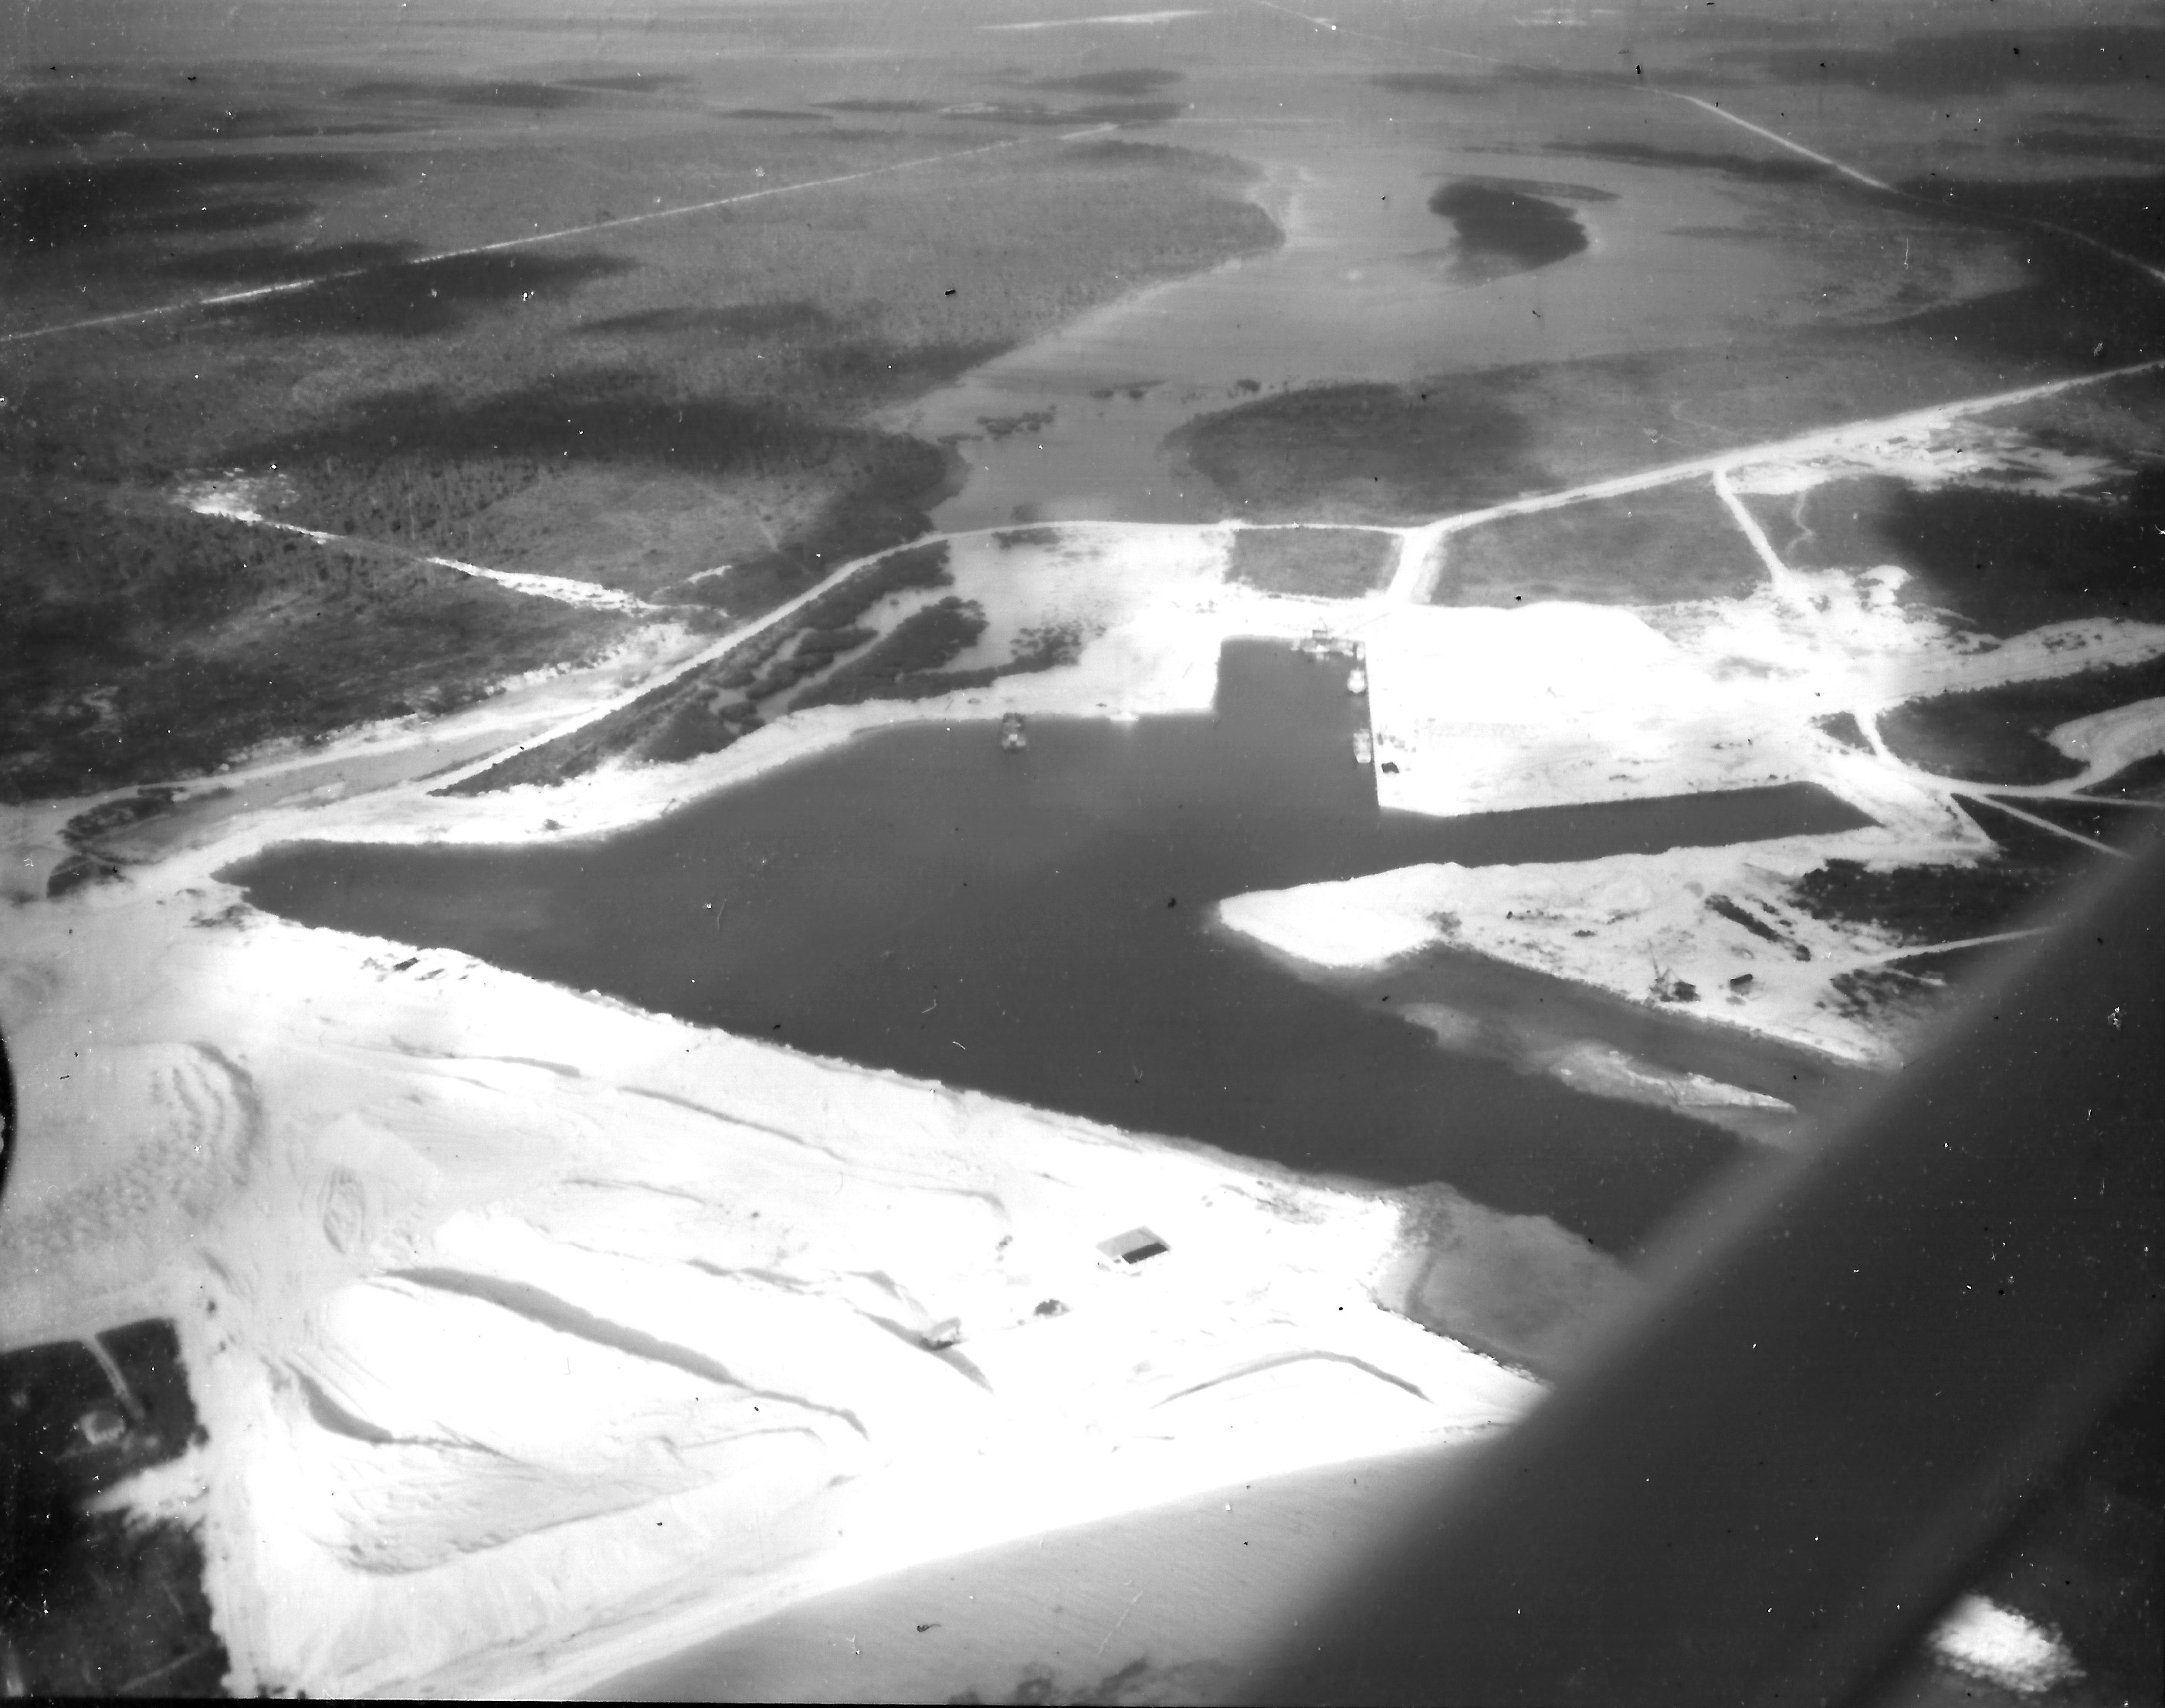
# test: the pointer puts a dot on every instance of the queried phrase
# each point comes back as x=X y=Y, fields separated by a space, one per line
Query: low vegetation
x=1367 y=452
x=1335 y=563
x=638 y=406
x=1044 y=648
x=706 y=709
x=153 y=643
x=1669 y=544
x=2003 y=561
x=1923 y=903
x=846 y=661
x=1895 y=1001
x=507 y=479
x=1946 y=903
x=1383 y=453
x=642 y=406
x=928 y=637
x=1504 y=228
x=898 y=571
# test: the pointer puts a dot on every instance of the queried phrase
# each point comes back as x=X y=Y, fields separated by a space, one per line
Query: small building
x=1137 y=1246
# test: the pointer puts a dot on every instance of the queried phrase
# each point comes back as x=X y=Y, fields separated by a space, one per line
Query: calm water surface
x=1370 y=284
x=1037 y=926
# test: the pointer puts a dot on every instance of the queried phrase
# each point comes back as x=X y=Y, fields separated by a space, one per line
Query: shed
x=1136 y=1246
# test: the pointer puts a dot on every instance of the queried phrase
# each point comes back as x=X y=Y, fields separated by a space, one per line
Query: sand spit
x=239 y=497
x=2106 y=742
x=1599 y=1069
x=1713 y=932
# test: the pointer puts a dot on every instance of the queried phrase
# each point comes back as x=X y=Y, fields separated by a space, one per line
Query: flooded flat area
x=1372 y=283
x=1534 y=1023
x=1036 y=925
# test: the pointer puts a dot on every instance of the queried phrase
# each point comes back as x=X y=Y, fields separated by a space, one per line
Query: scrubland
x=637 y=406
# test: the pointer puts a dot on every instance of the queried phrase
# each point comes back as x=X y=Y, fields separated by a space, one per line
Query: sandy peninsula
x=534 y=1337
x=537 y=1338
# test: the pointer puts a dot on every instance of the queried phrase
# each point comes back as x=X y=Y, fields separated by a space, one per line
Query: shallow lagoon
x=1037 y=926
x=1370 y=284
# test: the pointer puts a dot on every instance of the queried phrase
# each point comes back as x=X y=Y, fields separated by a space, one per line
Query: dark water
x=1036 y=925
